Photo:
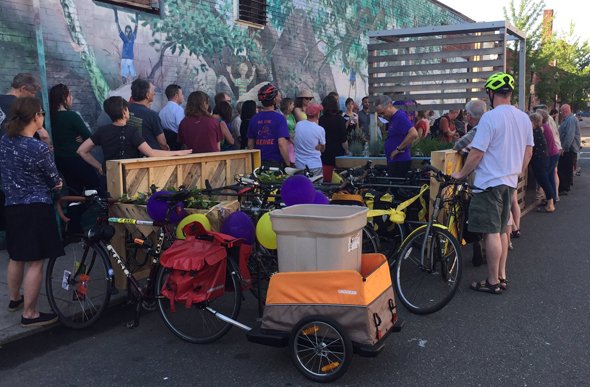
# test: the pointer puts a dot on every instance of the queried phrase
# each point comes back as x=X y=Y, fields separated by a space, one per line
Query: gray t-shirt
x=149 y=122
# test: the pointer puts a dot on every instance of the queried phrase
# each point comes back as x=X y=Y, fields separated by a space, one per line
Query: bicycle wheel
x=197 y=324
x=79 y=286
x=371 y=243
x=320 y=349
x=428 y=270
x=262 y=265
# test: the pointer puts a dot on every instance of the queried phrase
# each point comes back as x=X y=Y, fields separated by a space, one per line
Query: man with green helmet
x=500 y=151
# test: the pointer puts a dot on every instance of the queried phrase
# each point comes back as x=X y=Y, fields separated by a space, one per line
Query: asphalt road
x=535 y=334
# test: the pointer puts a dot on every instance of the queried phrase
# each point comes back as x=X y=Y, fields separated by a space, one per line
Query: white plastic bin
x=312 y=237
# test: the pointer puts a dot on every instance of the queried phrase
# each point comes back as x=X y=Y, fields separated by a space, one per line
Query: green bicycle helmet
x=500 y=82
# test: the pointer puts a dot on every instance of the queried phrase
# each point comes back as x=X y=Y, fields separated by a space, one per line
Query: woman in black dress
x=29 y=175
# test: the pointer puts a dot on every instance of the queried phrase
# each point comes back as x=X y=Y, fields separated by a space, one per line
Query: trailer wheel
x=320 y=348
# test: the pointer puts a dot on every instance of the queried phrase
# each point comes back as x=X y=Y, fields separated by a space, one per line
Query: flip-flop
x=545 y=210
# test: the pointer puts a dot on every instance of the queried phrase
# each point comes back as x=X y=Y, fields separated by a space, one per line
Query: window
x=251 y=12
x=150 y=6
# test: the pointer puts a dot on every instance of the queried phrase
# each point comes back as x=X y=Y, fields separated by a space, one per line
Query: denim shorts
x=489 y=210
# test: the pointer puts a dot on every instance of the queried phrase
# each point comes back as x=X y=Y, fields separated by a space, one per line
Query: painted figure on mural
x=128 y=37
x=243 y=81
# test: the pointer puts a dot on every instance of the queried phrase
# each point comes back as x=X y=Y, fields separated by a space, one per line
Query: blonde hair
x=536 y=119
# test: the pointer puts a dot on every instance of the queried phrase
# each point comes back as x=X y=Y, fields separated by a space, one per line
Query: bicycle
x=428 y=266
x=79 y=288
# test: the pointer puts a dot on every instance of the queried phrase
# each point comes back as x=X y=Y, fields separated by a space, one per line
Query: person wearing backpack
x=444 y=127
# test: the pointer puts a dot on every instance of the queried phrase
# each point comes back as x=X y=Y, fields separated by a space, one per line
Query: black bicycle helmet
x=500 y=82
x=267 y=93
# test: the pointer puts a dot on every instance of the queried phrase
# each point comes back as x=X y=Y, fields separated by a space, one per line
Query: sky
x=565 y=11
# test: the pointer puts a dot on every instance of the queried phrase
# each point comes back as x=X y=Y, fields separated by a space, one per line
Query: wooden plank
x=137 y=181
x=429 y=67
x=458 y=86
x=442 y=106
x=467 y=95
x=115 y=185
x=436 y=55
x=444 y=40
x=419 y=78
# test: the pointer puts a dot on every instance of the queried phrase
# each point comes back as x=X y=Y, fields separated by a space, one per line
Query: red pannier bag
x=197 y=271
x=237 y=250
x=198 y=265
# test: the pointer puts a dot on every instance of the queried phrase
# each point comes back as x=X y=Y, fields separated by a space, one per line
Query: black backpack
x=435 y=131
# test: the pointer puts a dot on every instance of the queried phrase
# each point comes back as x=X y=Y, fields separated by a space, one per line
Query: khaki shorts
x=489 y=210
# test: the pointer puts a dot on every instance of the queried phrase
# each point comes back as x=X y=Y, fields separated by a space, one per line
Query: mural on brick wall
x=316 y=44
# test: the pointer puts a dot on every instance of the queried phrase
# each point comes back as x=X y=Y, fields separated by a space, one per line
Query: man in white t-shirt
x=500 y=151
x=310 y=140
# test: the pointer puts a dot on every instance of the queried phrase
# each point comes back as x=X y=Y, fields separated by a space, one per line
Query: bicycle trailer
x=325 y=316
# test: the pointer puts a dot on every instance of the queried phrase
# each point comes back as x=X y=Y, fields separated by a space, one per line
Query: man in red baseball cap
x=310 y=140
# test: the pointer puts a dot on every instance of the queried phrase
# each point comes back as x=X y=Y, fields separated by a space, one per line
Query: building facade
x=97 y=47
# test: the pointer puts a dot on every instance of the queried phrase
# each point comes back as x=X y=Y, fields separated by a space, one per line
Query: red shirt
x=201 y=134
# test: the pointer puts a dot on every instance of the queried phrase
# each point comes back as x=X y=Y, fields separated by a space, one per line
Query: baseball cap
x=313 y=109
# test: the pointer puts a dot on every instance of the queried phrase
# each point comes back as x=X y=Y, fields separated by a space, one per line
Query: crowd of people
x=498 y=143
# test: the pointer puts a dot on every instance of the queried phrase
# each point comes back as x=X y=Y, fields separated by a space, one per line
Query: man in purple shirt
x=268 y=130
x=400 y=135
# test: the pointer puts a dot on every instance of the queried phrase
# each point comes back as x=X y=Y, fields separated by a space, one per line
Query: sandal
x=515 y=234
x=486 y=287
x=545 y=210
x=503 y=283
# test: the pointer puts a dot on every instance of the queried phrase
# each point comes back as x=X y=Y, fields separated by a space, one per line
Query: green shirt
x=67 y=125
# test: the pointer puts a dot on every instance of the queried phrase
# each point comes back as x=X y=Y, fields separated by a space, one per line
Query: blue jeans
x=540 y=171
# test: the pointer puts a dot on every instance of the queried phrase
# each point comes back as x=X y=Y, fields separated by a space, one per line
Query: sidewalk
x=10 y=328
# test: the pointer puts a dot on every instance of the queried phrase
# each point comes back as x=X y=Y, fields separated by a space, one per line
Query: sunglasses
x=308 y=98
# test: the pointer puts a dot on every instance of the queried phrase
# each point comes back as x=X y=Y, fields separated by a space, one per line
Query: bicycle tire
x=426 y=285
x=371 y=241
x=196 y=324
x=320 y=348
x=78 y=303
x=262 y=265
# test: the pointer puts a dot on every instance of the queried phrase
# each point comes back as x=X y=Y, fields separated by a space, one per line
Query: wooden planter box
x=137 y=175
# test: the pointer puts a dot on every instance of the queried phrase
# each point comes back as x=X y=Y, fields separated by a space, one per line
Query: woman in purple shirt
x=29 y=175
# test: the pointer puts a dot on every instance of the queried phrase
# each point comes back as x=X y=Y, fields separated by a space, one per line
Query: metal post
x=522 y=73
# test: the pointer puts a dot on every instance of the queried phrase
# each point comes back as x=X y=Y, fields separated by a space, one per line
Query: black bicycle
x=79 y=286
